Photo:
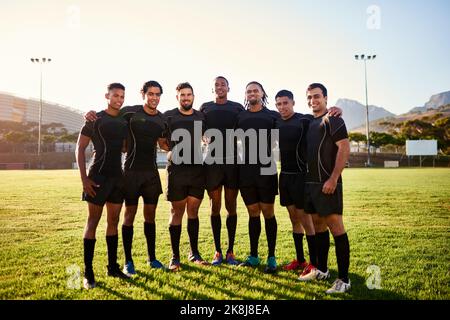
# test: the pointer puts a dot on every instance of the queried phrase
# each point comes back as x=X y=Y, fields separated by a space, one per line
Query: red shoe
x=294 y=265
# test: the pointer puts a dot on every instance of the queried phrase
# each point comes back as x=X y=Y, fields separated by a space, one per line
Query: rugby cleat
x=197 y=259
x=294 y=265
x=339 y=286
x=251 y=262
x=89 y=280
x=231 y=259
x=128 y=269
x=218 y=259
x=155 y=264
x=114 y=271
x=271 y=266
x=312 y=273
x=174 y=264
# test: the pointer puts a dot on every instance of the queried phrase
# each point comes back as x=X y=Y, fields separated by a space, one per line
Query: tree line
x=436 y=127
x=20 y=137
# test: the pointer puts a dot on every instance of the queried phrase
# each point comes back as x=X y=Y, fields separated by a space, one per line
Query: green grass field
x=396 y=219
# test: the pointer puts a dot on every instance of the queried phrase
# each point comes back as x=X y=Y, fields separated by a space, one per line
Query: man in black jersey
x=146 y=127
x=328 y=151
x=186 y=178
x=104 y=182
x=258 y=187
x=221 y=114
x=292 y=144
x=293 y=128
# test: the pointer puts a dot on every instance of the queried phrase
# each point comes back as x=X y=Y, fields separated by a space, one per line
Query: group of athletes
x=314 y=149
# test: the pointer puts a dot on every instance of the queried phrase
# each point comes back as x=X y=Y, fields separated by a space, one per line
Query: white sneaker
x=339 y=286
x=312 y=273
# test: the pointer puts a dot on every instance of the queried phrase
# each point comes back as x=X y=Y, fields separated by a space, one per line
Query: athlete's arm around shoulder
x=162 y=140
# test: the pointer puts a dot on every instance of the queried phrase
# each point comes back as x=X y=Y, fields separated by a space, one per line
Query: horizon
x=279 y=44
x=197 y=107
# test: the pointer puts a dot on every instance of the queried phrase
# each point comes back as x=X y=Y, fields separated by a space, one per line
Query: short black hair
x=184 y=85
x=320 y=86
x=222 y=77
x=285 y=93
x=115 y=85
x=150 y=84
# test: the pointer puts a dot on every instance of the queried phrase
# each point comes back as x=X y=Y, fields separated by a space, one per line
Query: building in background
x=18 y=109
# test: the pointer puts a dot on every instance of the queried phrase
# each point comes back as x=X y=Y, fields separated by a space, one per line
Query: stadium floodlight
x=365 y=58
x=40 y=62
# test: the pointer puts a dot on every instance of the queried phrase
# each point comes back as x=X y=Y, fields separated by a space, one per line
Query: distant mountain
x=435 y=102
x=355 y=113
x=384 y=125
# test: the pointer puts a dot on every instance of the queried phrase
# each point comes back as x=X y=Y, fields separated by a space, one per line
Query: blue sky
x=282 y=44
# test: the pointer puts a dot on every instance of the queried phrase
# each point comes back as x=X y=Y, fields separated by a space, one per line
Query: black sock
x=150 y=236
x=216 y=225
x=231 y=227
x=312 y=248
x=323 y=245
x=192 y=227
x=254 y=229
x=175 y=234
x=271 y=234
x=127 y=239
x=88 y=246
x=298 y=242
x=111 y=243
x=342 y=247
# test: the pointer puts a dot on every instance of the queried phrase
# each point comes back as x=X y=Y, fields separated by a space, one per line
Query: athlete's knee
x=230 y=206
x=90 y=229
x=336 y=227
x=215 y=207
x=128 y=219
x=320 y=224
x=149 y=213
x=296 y=223
x=192 y=213
x=268 y=210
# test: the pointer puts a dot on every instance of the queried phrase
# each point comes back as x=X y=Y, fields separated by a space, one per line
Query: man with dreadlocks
x=258 y=190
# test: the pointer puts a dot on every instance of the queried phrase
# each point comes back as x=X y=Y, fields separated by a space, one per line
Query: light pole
x=40 y=61
x=365 y=58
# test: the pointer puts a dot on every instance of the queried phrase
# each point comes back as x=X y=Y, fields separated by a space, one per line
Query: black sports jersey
x=292 y=142
x=144 y=130
x=323 y=133
x=176 y=120
x=263 y=119
x=221 y=117
x=107 y=134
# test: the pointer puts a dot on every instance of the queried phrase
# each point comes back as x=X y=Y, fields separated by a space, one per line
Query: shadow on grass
x=187 y=291
x=149 y=277
x=287 y=287
x=101 y=285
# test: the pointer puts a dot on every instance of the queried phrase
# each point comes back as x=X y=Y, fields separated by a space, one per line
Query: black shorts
x=185 y=181
x=145 y=184
x=262 y=189
x=324 y=204
x=217 y=175
x=110 y=190
x=292 y=190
